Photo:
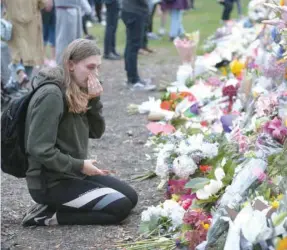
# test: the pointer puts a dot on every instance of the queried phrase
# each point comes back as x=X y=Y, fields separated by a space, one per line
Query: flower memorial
x=224 y=163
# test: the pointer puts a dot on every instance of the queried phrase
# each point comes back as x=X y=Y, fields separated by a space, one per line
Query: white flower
x=174 y=211
x=213 y=187
x=184 y=166
x=153 y=211
x=161 y=169
x=219 y=174
x=208 y=190
x=183 y=148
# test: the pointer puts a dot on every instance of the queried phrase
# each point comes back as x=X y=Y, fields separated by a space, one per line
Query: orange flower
x=204 y=168
x=282 y=245
x=173 y=96
x=165 y=105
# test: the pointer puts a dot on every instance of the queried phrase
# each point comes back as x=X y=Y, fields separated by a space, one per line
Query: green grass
x=205 y=18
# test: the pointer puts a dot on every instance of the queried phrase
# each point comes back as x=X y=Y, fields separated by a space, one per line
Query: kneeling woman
x=68 y=187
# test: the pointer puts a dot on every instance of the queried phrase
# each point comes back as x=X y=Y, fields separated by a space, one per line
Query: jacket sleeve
x=45 y=117
x=96 y=120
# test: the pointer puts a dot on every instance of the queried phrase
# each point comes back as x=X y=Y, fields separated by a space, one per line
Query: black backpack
x=14 y=160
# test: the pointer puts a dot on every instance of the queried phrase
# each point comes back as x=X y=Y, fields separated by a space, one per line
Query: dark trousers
x=135 y=27
x=98 y=9
x=94 y=200
x=112 y=16
x=228 y=6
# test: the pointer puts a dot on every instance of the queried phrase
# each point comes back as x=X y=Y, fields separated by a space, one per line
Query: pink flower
x=276 y=129
x=259 y=173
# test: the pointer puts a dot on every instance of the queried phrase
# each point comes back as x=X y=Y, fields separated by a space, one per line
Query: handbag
x=6 y=30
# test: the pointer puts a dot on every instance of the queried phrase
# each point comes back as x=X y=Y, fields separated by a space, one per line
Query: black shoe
x=112 y=56
x=36 y=216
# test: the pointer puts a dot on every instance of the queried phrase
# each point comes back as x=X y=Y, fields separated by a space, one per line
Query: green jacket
x=57 y=140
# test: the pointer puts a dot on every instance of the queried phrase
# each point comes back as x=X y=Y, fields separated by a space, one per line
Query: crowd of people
x=40 y=30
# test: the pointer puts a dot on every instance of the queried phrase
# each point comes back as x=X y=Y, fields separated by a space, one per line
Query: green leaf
x=144 y=227
x=197 y=183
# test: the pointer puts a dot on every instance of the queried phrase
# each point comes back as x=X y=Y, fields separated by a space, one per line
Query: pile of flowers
x=223 y=165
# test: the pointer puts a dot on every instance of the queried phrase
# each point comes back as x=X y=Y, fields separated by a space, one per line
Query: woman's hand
x=95 y=89
x=90 y=169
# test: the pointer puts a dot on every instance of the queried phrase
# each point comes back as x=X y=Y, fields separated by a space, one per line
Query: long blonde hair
x=76 y=51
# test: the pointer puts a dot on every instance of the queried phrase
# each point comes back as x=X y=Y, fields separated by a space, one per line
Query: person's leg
x=174 y=23
x=79 y=202
x=98 y=8
x=85 y=19
x=135 y=28
x=239 y=8
x=114 y=183
x=228 y=5
x=109 y=30
x=115 y=20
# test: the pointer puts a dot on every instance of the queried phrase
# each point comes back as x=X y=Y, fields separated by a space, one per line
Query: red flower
x=204 y=123
x=165 y=105
x=204 y=168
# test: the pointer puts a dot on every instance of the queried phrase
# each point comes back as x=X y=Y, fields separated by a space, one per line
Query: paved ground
x=121 y=148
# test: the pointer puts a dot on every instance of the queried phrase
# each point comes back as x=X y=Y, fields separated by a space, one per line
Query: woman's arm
x=95 y=118
x=45 y=117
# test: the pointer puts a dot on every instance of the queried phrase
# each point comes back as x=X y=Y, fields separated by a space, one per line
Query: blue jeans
x=176 y=27
x=135 y=25
x=112 y=17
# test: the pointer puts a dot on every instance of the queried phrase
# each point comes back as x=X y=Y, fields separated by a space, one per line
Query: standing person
x=134 y=15
x=49 y=34
x=176 y=9
x=69 y=23
x=26 y=45
x=68 y=187
x=112 y=17
x=227 y=9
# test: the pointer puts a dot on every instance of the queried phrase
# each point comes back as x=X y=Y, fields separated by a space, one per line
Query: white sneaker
x=141 y=85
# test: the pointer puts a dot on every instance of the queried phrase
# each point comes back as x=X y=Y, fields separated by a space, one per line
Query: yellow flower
x=281 y=2
x=175 y=197
x=282 y=245
x=206 y=226
x=236 y=67
x=275 y=204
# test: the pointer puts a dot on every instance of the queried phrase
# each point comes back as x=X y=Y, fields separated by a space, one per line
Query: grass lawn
x=205 y=18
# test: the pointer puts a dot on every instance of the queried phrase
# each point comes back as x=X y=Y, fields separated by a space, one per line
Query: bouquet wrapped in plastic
x=186 y=47
x=234 y=195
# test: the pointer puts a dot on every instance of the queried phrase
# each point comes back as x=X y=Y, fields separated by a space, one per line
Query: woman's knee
x=120 y=208
x=133 y=196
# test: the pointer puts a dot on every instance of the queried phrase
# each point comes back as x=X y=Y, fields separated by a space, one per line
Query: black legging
x=94 y=200
x=228 y=5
